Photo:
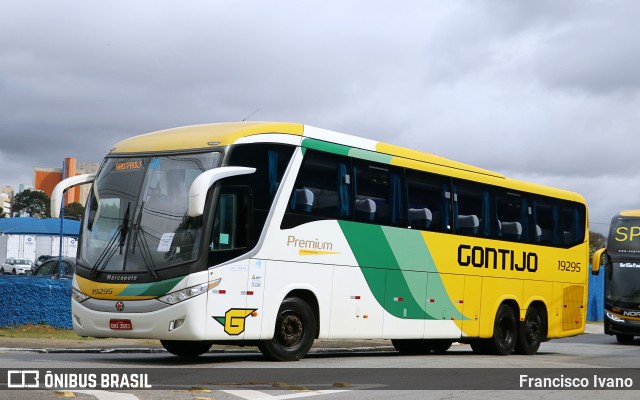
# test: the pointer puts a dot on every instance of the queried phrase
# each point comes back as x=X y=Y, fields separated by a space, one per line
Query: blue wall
x=35 y=300
x=595 y=301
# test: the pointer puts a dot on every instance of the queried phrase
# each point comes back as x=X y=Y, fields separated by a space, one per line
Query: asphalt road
x=345 y=373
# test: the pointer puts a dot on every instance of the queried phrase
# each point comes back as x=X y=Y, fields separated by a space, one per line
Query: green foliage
x=32 y=202
x=73 y=211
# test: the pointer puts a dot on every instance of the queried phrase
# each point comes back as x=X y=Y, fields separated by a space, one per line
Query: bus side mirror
x=595 y=263
x=200 y=186
x=58 y=191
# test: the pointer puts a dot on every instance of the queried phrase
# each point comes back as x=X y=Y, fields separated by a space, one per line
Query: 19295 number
x=569 y=266
x=102 y=291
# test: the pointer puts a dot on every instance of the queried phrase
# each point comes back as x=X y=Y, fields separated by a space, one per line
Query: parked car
x=51 y=268
x=16 y=266
x=41 y=259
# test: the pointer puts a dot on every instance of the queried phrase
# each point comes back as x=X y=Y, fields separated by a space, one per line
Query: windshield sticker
x=224 y=238
x=165 y=242
x=154 y=163
x=128 y=165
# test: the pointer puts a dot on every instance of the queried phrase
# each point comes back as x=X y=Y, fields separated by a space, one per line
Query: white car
x=16 y=266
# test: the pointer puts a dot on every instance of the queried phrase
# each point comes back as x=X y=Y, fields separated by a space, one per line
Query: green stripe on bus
x=346 y=151
x=402 y=291
x=370 y=156
x=373 y=253
x=326 y=147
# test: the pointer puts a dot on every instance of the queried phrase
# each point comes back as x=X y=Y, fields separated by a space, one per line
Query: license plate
x=120 y=324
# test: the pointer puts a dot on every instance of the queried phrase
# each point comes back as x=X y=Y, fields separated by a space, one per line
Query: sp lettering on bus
x=502 y=259
x=625 y=233
x=234 y=320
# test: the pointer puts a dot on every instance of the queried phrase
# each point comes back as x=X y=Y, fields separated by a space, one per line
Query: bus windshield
x=622 y=283
x=136 y=216
x=624 y=237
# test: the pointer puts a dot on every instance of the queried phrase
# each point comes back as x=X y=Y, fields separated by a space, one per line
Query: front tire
x=531 y=333
x=625 y=339
x=294 y=333
x=186 y=348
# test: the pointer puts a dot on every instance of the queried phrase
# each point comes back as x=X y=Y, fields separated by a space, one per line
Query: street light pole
x=61 y=226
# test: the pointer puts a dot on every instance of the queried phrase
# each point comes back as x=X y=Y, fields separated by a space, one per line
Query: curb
x=150 y=350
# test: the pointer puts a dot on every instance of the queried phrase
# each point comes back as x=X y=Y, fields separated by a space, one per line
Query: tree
x=73 y=211
x=596 y=241
x=34 y=203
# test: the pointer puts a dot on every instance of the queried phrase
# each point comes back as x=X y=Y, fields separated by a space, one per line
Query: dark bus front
x=622 y=278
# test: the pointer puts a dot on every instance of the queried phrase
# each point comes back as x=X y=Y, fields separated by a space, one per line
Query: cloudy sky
x=545 y=90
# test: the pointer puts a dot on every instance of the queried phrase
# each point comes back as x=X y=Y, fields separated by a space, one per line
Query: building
x=46 y=179
x=32 y=237
x=6 y=200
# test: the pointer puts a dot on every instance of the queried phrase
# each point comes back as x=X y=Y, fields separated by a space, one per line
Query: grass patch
x=39 y=332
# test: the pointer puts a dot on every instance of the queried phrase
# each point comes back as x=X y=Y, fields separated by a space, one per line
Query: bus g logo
x=234 y=320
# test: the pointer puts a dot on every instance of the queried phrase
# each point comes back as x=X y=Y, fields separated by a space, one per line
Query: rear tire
x=294 y=332
x=480 y=346
x=505 y=332
x=531 y=333
x=186 y=348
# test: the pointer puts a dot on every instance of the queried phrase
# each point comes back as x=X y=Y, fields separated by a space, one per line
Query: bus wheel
x=294 y=332
x=439 y=346
x=624 y=338
x=186 y=348
x=480 y=346
x=530 y=333
x=411 y=346
x=505 y=332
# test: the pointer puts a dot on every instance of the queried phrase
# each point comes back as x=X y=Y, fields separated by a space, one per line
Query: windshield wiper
x=110 y=249
x=146 y=253
x=136 y=228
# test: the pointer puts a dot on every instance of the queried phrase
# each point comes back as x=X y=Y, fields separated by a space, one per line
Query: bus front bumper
x=182 y=321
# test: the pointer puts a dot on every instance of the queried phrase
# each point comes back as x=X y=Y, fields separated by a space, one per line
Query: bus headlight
x=184 y=294
x=78 y=295
x=614 y=317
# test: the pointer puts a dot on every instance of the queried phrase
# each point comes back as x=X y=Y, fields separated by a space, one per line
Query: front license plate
x=120 y=324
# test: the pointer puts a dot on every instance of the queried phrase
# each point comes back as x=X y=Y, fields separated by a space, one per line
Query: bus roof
x=207 y=136
x=222 y=134
x=630 y=213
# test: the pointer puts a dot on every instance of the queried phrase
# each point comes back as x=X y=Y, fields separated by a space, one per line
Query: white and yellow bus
x=276 y=234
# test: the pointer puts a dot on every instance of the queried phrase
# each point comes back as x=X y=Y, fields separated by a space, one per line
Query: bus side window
x=515 y=213
x=322 y=190
x=570 y=225
x=378 y=192
x=543 y=221
x=471 y=209
x=424 y=201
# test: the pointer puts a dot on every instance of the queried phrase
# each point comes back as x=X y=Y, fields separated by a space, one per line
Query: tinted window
x=472 y=209
x=379 y=193
x=322 y=190
x=428 y=202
